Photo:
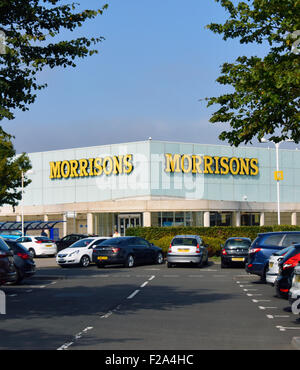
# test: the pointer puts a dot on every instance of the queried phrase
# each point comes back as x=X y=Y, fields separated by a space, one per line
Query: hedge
x=212 y=236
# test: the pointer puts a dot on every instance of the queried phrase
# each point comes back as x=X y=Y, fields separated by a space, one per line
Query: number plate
x=238 y=259
x=183 y=250
x=297 y=278
x=102 y=258
x=48 y=245
x=271 y=264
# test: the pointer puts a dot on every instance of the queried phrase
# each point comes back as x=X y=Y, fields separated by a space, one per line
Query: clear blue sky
x=157 y=61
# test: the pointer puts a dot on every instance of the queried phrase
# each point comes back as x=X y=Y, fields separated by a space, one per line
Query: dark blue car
x=264 y=246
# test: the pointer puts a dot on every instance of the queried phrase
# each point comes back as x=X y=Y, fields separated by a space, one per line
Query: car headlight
x=73 y=253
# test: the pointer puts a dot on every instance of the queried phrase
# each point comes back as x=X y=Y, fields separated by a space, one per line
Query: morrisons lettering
x=211 y=165
x=115 y=165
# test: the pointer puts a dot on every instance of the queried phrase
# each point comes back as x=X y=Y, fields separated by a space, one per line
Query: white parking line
x=279 y=316
x=284 y=328
x=133 y=294
x=144 y=284
x=152 y=277
x=266 y=308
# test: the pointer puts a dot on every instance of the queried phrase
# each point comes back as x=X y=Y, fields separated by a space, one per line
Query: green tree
x=29 y=27
x=28 y=44
x=265 y=97
x=11 y=168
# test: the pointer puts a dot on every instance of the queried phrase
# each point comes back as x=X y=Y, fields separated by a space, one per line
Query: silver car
x=273 y=268
x=187 y=249
x=294 y=293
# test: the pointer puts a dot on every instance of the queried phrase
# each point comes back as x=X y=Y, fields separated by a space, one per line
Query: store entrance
x=128 y=220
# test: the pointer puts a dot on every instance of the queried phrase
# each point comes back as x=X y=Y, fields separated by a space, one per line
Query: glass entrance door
x=126 y=221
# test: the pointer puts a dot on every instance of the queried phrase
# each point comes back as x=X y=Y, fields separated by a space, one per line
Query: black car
x=68 y=240
x=128 y=251
x=235 y=251
x=24 y=263
x=286 y=270
x=7 y=267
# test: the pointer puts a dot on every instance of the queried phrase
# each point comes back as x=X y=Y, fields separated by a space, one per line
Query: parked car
x=38 y=245
x=264 y=246
x=273 y=269
x=128 y=251
x=23 y=261
x=70 y=239
x=235 y=251
x=79 y=253
x=7 y=267
x=187 y=249
x=294 y=292
x=283 y=282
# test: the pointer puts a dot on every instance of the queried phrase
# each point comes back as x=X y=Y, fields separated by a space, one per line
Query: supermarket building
x=156 y=183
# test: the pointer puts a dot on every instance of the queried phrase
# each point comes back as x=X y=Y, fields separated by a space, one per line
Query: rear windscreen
x=185 y=241
x=238 y=243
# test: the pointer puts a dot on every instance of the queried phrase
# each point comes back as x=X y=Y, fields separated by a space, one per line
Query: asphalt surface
x=145 y=308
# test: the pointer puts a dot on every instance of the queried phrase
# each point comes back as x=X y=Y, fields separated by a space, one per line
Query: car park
x=128 y=251
x=264 y=246
x=23 y=261
x=38 y=245
x=235 y=251
x=283 y=282
x=188 y=249
x=80 y=252
x=70 y=239
x=7 y=268
x=294 y=292
x=273 y=268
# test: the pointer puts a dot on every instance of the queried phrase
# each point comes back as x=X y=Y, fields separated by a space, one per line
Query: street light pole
x=29 y=172
x=278 y=189
x=263 y=140
x=22 y=205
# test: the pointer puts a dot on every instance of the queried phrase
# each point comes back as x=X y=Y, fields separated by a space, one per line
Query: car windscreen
x=291 y=253
x=184 y=241
x=114 y=241
x=282 y=251
x=241 y=243
x=16 y=247
x=3 y=246
x=81 y=243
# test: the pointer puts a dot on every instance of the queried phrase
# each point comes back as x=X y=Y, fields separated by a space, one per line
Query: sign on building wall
x=214 y=165
x=121 y=164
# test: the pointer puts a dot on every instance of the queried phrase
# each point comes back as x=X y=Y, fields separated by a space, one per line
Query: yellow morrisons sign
x=121 y=164
x=211 y=165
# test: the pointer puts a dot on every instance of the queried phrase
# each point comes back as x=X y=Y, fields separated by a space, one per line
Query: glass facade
x=184 y=218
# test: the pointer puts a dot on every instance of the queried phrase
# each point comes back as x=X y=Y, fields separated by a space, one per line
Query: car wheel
x=169 y=264
x=32 y=252
x=100 y=265
x=159 y=258
x=129 y=261
x=19 y=278
x=85 y=261
x=223 y=265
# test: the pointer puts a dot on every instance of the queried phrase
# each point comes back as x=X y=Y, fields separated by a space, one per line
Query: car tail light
x=115 y=250
x=24 y=256
x=198 y=249
x=170 y=248
x=38 y=241
x=292 y=262
x=284 y=290
x=254 y=250
x=3 y=254
x=224 y=252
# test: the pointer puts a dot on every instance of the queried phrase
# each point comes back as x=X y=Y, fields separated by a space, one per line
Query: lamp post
x=263 y=140
x=29 y=172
